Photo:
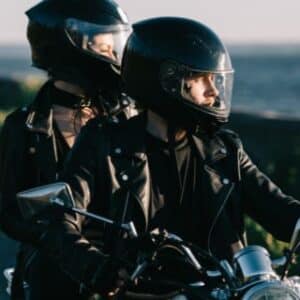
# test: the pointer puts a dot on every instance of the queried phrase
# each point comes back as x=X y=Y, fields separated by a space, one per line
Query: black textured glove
x=110 y=277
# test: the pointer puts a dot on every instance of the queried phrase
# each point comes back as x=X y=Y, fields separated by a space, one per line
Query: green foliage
x=3 y=114
x=258 y=236
x=15 y=94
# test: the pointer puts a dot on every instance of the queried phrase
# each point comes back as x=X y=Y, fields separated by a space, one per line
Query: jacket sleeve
x=64 y=241
x=12 y=158
x=264 y=201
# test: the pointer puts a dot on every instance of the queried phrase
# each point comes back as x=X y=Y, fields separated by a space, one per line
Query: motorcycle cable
x=290 y=258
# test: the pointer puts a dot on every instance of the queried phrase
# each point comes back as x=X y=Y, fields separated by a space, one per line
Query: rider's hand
x=122 y=278
x=110 y=278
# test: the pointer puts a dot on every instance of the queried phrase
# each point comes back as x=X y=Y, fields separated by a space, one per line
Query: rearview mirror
x=34 y=201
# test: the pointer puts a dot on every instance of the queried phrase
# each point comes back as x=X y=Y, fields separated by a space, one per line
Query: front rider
x=173 y=167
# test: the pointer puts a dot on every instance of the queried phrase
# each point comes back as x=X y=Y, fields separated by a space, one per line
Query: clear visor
x=103 y=41
x=209 y=91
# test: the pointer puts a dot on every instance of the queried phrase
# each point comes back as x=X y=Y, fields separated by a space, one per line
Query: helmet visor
x=105 y=42
x=208 y=91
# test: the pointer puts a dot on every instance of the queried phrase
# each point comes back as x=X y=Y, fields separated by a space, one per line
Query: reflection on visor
x=104 y=41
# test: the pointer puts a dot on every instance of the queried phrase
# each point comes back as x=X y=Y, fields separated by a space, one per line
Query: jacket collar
x=211 y=149
x=40 y=123
x=40 y=116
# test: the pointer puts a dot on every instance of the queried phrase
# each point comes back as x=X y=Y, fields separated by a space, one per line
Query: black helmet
x=160 y=55
x=76 y=40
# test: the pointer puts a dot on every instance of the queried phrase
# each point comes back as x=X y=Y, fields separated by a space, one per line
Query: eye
x=219 y=79
x=187 y=87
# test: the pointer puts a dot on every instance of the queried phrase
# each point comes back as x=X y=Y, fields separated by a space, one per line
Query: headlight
x=271 y=291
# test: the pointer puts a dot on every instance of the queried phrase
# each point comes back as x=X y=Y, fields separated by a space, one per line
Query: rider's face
x=103 y=44
x=200 y=89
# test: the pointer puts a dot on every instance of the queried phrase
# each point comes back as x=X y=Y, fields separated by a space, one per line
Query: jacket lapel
x=43 y=145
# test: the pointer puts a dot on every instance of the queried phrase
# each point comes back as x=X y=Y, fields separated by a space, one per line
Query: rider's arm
x=65 y=241
x=264 y=201
x=13 y=175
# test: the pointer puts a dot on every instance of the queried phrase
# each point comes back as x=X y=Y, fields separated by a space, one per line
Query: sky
x=235 y=21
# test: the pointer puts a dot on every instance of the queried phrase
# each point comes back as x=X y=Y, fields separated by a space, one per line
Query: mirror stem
x=128 y=227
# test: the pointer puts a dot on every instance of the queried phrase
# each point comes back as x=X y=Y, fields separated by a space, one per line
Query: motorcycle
x=167 y=267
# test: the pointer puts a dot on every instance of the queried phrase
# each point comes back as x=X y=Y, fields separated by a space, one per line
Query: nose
x=211 y=89
x=211 y=93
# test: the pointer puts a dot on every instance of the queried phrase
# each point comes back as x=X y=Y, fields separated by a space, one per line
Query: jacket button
x=223 y=151
x=125 y=177
x=225 y=181
x=118 y=150
x=125 y=102
x=32 y=150
x=115 y=120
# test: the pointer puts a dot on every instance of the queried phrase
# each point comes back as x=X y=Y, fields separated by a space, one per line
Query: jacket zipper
x=217 y=217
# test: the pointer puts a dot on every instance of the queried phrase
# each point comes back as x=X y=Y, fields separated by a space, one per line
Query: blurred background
x=264 y=41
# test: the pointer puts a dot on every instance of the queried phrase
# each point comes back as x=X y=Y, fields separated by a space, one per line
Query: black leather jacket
x=28 y=157
x=109 y=161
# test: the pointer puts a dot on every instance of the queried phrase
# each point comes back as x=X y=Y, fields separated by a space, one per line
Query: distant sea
x=267 y=77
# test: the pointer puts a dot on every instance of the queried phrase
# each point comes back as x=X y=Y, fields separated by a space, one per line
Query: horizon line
x=231 y=43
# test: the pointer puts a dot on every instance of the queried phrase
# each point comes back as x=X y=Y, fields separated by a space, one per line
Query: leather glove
x=110 y=277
